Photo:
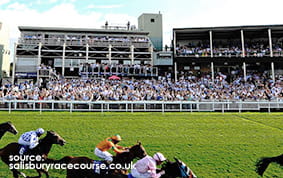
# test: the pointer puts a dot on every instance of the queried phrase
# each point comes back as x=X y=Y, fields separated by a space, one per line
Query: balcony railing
x=83 y=42
x=120 y=71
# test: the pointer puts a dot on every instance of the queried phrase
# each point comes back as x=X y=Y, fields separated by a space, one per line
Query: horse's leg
x=16 y=173
x=39 y=174
x=71 y=174
x=23 y=174
x=42 y=171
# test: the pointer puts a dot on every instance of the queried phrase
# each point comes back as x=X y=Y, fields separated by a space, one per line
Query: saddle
x=130 y=175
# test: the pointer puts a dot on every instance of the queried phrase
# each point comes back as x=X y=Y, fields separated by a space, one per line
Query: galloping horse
x=42 y=149
x=136 y=151
x=7 y=127
x=263 y=163
x=177 y=169
x=172 y=170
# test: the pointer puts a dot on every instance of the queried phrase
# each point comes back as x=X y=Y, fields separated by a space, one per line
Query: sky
x=176 y=13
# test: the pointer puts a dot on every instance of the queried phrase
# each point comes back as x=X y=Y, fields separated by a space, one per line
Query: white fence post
x=71 y=107
x=15 y=105
x=10 y=105
x=40 y=107
x=52 y=106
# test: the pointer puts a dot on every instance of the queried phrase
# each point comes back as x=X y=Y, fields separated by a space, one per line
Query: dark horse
x=177 y=169
x=42 y=149
x=263 y=163
x=136 y=151
x=7 y=127
x=172 y=170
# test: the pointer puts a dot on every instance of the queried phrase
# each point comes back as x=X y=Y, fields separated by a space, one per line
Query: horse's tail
x=263 y=163
x=1 y=151
x=278 y=160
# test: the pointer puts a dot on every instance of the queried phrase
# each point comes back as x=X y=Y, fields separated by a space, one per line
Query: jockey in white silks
x=29 y=140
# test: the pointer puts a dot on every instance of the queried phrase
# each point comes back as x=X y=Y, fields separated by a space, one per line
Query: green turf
x=211 y=144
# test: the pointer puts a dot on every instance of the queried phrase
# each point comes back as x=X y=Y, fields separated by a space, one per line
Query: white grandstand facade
x=80 y=52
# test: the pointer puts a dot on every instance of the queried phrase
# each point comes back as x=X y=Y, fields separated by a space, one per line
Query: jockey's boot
x=22 y=150
x=106 y=162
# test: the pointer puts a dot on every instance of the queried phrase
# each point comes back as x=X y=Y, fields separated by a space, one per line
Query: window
x=126 y=62
x=152 y=20
x=137 y=62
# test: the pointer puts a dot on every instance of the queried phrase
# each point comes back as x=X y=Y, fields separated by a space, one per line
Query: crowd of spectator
x=81 y=39
x=190 y=88
x=117 y=69
x=230 y=49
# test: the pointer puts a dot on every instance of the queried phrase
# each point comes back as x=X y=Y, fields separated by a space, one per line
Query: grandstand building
x=74 y=52
x=230 y=50
x=152 y=23
x=4 y=51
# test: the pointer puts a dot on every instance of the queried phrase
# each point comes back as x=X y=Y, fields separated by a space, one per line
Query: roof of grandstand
x=80 y=30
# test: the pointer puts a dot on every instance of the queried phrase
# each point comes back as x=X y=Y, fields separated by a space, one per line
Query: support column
x=110 y=53
x=175 y=69
x=39 y=54
x=212 y=72
x=211 y=47
x=86 y=59
x=270 y=42
x=87 y=51
x=132 y=54
x=245 y=71
x=174 y=43
x=63 y=59
x=151 y=56
x=38 y=61
x=272 y=71
x=243 y=44
x=14 y=63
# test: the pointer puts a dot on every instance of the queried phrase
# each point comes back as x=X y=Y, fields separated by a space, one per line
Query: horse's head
x=55 y=138
x=177 y=169
x=8 y=126
x=138 y=150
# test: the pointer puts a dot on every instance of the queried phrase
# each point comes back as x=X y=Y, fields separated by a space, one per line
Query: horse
x=172 y=170
x=136 y=151
x=7 y=127
x=42 y=150
x=263 y=163
x=177 y=169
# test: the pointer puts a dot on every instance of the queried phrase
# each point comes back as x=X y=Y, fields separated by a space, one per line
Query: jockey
x=102 y=148
x=29 y=140
x=146 y=167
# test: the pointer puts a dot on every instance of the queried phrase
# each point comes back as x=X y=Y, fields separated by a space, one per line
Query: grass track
x=212 y=144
